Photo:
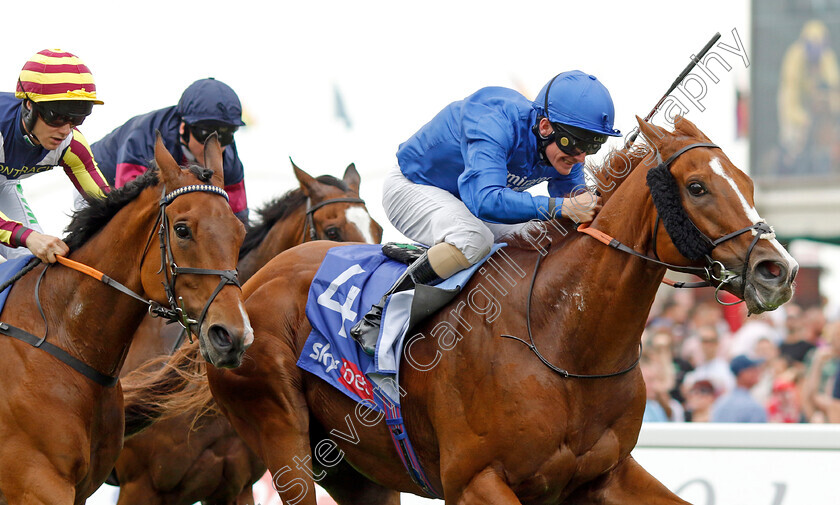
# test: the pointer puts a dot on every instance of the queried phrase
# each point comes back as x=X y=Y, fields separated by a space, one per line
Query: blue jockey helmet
x=580 y=100
x=209 y=100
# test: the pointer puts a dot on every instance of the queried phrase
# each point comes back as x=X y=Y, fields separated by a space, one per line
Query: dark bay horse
x=170 y=235
x=524 y=389
x=181 y=460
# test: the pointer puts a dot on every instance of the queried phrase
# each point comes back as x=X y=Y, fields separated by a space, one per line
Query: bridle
x=175 y=312
x=678 y=223
x=309 y=222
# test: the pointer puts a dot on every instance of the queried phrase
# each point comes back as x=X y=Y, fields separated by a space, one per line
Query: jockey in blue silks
x=461 y=179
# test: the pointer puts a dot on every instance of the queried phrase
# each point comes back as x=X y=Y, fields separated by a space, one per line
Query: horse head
x=194 y=269
x=337 y=213
x=705 y=205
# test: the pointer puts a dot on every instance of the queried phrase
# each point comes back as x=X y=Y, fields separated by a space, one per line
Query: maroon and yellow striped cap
x=53 y=74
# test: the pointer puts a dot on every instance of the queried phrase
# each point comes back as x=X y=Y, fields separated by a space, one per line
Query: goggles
x=58 y=114
x=202 y=131
x=574 y=141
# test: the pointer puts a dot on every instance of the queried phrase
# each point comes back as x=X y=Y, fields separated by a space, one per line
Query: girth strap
x=78 y=365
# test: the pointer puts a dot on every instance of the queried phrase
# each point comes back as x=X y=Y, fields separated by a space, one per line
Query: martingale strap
x=78 y=365
x=396 y=427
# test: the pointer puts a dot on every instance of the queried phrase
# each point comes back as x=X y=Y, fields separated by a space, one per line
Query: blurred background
x=329 y=83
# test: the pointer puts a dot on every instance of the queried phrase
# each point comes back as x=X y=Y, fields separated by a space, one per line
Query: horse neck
x=284 y=234
x=598 y=296
x=97 y=322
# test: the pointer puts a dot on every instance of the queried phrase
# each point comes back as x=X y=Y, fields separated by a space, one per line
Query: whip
x=694 y=61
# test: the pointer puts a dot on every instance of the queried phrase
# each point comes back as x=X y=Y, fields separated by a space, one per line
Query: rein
x=564 y=373
x=310 y=210
x=174 y=313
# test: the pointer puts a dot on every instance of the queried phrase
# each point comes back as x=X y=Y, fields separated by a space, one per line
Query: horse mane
x=279 y=209
x=86 y=222
x=617 y=166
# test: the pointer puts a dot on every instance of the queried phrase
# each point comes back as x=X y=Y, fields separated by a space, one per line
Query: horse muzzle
x=769 y=283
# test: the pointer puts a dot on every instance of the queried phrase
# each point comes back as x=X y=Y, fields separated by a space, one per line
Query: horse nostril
x=220 y=337
x=771 y=270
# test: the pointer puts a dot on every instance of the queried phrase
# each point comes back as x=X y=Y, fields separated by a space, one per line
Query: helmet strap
x=185 y=136
x=29 y=117
x=542 y=141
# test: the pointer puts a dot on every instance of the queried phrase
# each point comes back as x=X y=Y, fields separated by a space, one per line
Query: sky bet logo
x=320 y=355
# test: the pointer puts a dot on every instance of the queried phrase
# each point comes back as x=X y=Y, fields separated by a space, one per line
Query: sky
x=394 y=63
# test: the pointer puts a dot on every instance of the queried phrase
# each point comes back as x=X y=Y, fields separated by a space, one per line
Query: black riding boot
x=366 y=331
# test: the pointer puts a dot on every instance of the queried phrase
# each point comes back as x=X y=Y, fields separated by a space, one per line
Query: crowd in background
x=707 y=362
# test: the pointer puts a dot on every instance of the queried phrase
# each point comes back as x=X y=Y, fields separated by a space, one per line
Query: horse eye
x=182 y=231
x=697 y=189
x=333 y=234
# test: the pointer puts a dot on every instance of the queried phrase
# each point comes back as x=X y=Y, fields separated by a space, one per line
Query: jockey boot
x=366 y=331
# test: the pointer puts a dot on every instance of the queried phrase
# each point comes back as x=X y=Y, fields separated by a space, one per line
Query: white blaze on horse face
x=750 y=211
x=249 y=331
x=361 y=219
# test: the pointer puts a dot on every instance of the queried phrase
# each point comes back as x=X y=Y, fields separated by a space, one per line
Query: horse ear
x=213 y=159
x=351 y=177
x=652 y=133
x=169 y=169
x=307 y=182
x=683 y=125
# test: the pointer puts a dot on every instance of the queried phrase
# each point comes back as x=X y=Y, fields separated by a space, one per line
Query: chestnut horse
x=61 y=431
x=524 y=389
x=177 y=462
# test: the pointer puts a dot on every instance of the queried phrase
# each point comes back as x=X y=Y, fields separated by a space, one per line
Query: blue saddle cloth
x=350 y=280
x=8 y=269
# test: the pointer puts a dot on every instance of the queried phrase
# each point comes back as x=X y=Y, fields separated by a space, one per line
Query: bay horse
x=181 y=460
x=524 y=389
x=61 y=431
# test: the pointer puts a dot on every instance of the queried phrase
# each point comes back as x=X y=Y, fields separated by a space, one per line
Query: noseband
x=310 y=209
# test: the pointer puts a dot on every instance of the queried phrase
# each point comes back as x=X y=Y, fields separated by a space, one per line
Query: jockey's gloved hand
x=581 y=208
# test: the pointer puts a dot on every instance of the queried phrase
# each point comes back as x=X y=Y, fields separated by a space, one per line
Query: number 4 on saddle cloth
x=350 y=280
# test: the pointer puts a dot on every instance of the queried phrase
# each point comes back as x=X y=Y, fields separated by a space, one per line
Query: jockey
x=206 y=106
x=55 y=93
x=461 y=179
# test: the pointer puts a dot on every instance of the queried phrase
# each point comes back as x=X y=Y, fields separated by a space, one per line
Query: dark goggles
x=58 y=114
x=202 y=131
x=574 y=141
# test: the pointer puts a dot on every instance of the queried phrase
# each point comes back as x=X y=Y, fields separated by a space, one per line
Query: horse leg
x=628 y=483
x=486 y=488
x=348 y=487
x=246 y=497
x=273 y=418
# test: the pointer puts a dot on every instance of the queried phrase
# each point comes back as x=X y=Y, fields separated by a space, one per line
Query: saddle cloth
x=8 y=269
x=350 y=280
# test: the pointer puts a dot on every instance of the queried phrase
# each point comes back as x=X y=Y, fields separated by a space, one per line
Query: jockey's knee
x=474 y=245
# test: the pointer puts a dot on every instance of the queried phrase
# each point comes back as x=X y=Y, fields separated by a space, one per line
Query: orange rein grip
x=80 y=267
x=597 y=235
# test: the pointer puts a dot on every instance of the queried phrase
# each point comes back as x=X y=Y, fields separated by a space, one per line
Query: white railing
x=744 y=464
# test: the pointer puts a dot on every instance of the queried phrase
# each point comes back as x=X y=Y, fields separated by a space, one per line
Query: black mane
x=279 y=209
x=86 y=222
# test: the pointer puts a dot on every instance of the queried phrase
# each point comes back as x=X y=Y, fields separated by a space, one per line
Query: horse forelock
x=279 y=209
x=86 y=222
x=203 y=174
